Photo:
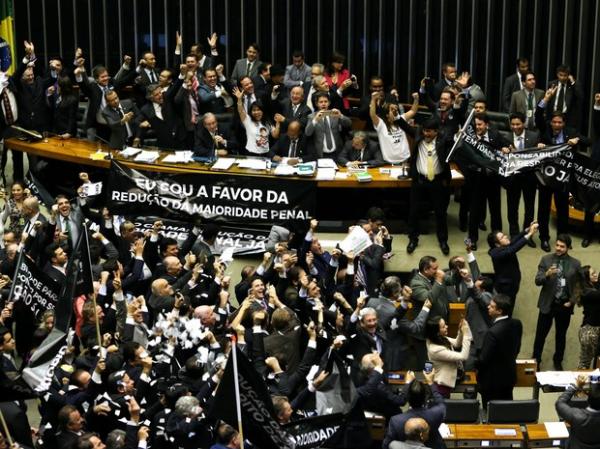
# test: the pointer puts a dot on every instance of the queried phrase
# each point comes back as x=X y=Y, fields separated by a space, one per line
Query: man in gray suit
x=247 y=66
x=327 y=127
x=391 y=307
x=123 y=119
x=525 y=100
x=556 y=275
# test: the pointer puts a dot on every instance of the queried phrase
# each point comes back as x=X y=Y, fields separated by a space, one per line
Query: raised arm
x=414 y=108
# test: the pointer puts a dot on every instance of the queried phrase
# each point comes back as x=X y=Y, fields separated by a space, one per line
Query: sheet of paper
x=325 y=174
x=395 y=173
x=223 y=163
x=341 y=175
x=252 y=164
x=179 y=157
x=444 y=430
x=557 y=429
x=456 y=174
x=326 y=163
x=129 y=151
x=505 y=432
x=227 y=255
x=357 y=241
x=92 y=188
x=284 y=170
x=147 y=156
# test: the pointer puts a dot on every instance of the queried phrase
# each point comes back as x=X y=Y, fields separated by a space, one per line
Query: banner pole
x=237 y=390
x=5 y=428
x=14 y=281
x=87 y=243
x=460 y=135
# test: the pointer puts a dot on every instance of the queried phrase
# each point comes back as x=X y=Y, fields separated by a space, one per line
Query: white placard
x=556 y=430
x=357 y=241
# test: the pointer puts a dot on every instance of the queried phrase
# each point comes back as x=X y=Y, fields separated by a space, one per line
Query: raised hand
x=212 y=40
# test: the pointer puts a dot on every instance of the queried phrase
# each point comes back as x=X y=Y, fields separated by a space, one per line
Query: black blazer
x=64 y=115
x=451 y=120
x=169 y=131
x=304 y=148
x=573 y=100
x=371 y=154
x=511 y=85
x=285 y=108
x=204 y=145
x=31 y=101
x=118 y=132
x=546 y=135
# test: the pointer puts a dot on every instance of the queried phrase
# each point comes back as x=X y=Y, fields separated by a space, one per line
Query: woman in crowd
x=338 y=76
x=392 y=128
x=447 y=354
x=258 y=128
x=13 y=208
x=589 y=297
x=64 y=104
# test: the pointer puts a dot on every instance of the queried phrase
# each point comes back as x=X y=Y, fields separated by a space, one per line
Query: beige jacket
x=445 y=361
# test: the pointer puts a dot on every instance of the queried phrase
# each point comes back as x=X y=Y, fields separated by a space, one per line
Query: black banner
x=258 y=416
x=243 y=240
x=237 y=199
x=38 y=190
x=585 y=182
x=40 y=369
x=316 y=431
x=36 y=289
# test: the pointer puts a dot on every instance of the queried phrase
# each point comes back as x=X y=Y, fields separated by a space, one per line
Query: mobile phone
x=395 y=376
x=428 y=367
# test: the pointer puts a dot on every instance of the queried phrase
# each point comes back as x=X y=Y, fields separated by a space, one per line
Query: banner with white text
x=231 y=199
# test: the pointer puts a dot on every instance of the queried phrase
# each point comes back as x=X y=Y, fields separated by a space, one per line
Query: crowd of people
x=166 y=310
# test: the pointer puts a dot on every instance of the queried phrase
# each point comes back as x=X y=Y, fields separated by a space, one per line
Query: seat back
x=510 y=412
x=462 y=411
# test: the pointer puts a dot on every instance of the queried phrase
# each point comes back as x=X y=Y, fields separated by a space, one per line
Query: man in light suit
x=514 y=82
x=556 y=275
x=327 y=127
x=525 y=100
x=497 y=367
x=123 y=119
x=247 y=66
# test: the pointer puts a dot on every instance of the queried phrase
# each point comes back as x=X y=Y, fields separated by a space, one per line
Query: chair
x=510 y=412
x=462 y=411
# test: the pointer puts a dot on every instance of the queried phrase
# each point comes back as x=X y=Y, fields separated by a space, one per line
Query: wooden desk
x=78 y=151
x=538 y=437
x=457 y=312
x=484 y=435
x=399 y=378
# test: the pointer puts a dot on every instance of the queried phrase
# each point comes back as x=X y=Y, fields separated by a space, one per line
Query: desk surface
x=487 y=432
x=469 y=379
x=538 y=432
x=78 y=151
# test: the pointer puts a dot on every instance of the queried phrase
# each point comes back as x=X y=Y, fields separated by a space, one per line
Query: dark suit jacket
x=184 y=107
x=496 y=366
x=31 y=100
x=55 y=274
x=443 y=144
x=573 y=100
x=451 y=120
x=376 y=396
x=169 y=131
x=204 y=144
x=64 y=115
x=304 y=148
x=285 y=108
x=371 y=154
x=583 y=433
x=506 y=264
x=118 y=131
x=596 y=146
x=546 y=135
x=12 y=86
x=209 y=101
x=549 y=285
x=511 y=85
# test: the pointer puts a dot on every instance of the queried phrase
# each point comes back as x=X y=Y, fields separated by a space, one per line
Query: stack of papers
x=357 y=241
x=325 y=174
x=363 y=177
x=129 y=151
x=147 y=156
x=223 y=163
x=556 y=429
x=179 y=157
x=326 y=163
x=284 y=170
x=342 y=175
x=253 y=164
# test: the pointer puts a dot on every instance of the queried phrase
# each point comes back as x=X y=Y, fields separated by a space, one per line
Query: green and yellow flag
x=7 y=36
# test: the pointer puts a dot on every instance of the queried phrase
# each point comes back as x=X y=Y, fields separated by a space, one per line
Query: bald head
x=294 y=129
x=31 y=206
x=416 y=429
x=172 y=265
x=161 y=287
x=206 y=315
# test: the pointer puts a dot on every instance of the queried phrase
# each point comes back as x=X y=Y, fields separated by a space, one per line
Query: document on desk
x=560 y=378
x=444 y=430
x=556 y=430
x=223 y=163
x=252 y=164
x=325 y=174
x=129 y=151
x=357 y=241
x=147 y=156
x=326 y=163
x=505 y=432
x=284 y=170
x=179 y=157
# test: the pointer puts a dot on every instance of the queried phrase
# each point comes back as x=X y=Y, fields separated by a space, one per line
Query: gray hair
x=207 y=116
x=187 y=406
x=115 y=439
x=360 y=135
x=318 y=65
x=367 y=311
x=318 y=80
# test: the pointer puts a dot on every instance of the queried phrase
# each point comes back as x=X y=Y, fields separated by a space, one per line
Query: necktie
x=248 y=67
x=560 y=100
x=443 y=116
x=152 y=76
x=248 y=103
x=293 y=148
x=328 y=136
x=8 y=115
x=521 y=144
x=430 y=171
x=67 y=226
x=361 y=155
x=530 y=101
x=295 y=110
x=121 y=114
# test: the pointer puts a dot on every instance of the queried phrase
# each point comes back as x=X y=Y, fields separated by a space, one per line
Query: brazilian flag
x=7 y=36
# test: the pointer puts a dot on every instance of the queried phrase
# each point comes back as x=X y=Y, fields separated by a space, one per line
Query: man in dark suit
x=58 y=262
x=160 y=113
x=247 y=66
x=96 y=90
x=375 y=395
x=293 y=108
x=123 y=119
x=556 y=275
x=448 y=79
x=360 y=151
x=568 y=98
x=583 y=422
x=294 y=145
x=308 y=86
x=214 y=93
x=514 y=82
x=425 y=402
x=376 y=85
x=521 y=183
x=503 y=252
x=450 y=110
x=525 y=100
x=211 y=139
x=262 y=79
x=334 y=94
x=431 y=177
x=588 y=221
x=553 y=131
x=496 y=366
